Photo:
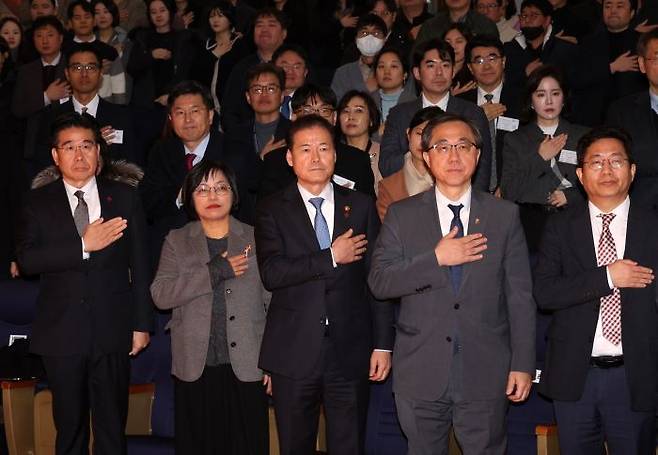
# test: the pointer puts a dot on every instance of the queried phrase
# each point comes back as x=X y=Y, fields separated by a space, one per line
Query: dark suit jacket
x=28 y=91
x=306 y=287
x=634 y=114
x=235 y=109
x=493 y=312
x=351 y=163
x=241 y=155
x=569 y=283
x=395 y=144
x=108 y=114
x=85 y=306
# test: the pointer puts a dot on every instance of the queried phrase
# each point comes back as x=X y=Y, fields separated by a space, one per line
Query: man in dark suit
x=499 y=101
x=85 y=236
x=322 y=323
x=638 y=114
x=352 y=169
x=83 y=72
x=433 y=68
x=595 y=272
x=457 y=259
x=191 y=112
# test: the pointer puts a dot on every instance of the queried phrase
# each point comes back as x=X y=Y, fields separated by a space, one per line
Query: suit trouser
x=604 y=413
x=297 y=408
x=479 y=425
x=84 y=383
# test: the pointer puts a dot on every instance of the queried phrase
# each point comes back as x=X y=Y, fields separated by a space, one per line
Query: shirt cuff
x=46 y=100
x=381 y=350
x=85 y=255
x=333 y=261
x=607 y=274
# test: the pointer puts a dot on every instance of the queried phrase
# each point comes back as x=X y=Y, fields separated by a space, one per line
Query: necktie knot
x=455 y=209
x=606 y=218
x=489 y=97
x=83 y=110
x=189 y=160
x=80 y=195
x=317 y=202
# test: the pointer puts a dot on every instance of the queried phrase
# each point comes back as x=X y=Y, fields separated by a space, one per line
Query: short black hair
x=52 y=2
x=391 y=50
x=542 y=5
x=604 y=132
x=169 y=4
x=371 y=19
x=306 y=122
x=48 y=21
x=111 y=7
x=446 y=52
x=226 y=8
x=265 y=68
x=390 y=5
x=310 y=91
x=483 y=41
x=374 y=117
x=446 y=118
x=200 y=172
x=189 y=87
x=78 y=48
x=644 y=40
x=291 y=47
x=86 y=7
x=270 y=11
x=534 y=79
x=425 y=115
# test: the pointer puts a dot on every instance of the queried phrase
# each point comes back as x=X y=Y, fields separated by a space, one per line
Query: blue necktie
x=285 y=106
x=456 y=270
x=321 y=228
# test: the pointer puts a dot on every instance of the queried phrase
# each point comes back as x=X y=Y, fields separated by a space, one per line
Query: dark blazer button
x=233 y=344
x=448 y=339
x=228 y=291
x=232 y=318
x=456 y=307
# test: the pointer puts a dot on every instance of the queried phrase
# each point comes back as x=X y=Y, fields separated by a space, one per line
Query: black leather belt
x=607 y=361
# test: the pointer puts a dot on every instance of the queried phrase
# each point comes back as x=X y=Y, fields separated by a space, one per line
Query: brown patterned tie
x=610 y=304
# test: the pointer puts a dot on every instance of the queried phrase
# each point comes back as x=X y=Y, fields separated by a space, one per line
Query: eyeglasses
x=597 y=165
x=84 y=146
x=382 y=14
x=260 y=89
x=90 y=67
x=487 y=6
x=444 y=148
x=323 y=111
x=294 y=67
x=491 y=58
x=221 y=189
x=530 y=16
x=375 y=33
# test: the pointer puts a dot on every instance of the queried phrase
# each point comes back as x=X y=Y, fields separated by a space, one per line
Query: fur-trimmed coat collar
x=118 y=171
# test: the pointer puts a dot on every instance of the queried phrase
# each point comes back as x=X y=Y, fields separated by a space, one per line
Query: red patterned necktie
x=610 y=304
x=189 y=160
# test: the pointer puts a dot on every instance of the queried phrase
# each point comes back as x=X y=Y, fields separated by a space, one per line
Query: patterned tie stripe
x=610 y=304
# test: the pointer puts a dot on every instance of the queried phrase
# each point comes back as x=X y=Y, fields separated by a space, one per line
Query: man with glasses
x=352 y=169
x=293 y=60
x=83 y=73
x=84 y=235
x=495 y=11
x=595 y=273
x=499 y=101
x=457 y=259
x=638 y=114
x=457 y=11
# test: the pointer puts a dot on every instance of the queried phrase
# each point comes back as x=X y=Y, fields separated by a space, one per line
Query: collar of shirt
x=496 y=94
x=550 y=130
x=92 y=106
x=200 y=149
x=520 y=38
x=654 y=101
x=55 y=61
x=442 y=103
x=78 y=40
x=621 y=217
x=91 y=198
x=327 y=207
x=446 y=215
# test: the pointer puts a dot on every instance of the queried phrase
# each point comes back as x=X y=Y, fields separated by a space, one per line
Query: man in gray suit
x=433 y=62
x=457 y=259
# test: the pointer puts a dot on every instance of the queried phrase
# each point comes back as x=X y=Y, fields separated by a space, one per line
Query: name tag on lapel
x=507 y=123
x=568 y=157
x=342 y=181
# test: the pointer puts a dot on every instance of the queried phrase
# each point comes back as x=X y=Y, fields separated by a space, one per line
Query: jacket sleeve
x=394 y=143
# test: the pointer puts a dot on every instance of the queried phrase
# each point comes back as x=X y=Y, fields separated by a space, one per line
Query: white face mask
x=369 y=45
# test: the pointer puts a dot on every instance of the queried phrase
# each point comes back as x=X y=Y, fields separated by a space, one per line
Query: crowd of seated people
x=172 y=85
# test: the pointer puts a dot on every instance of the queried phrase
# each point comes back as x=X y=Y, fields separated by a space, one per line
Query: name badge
x=64 y=100
x=117 y=138
x=507 y=123
x=568 y=157
x=342 y=181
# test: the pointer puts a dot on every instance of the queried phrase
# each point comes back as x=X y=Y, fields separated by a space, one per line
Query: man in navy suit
x=85 y=236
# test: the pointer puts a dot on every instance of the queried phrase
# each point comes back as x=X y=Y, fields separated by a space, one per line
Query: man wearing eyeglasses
x=84 y=235
x=83 y=73
x=498 y=100
x=456 y=257
x=495 y=11
x=595 y=273
x=457 y=11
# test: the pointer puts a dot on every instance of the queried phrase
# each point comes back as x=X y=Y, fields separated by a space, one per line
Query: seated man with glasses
x=83 y=73
x=595 y=273
x=352 y=169
x=499 y=101
x=495 y=11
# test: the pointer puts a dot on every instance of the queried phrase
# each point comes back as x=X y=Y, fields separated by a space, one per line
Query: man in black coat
x=85 y=236
x=595 y=272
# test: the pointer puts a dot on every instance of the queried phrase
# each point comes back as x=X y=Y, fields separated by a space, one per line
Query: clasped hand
x=452 y=250
x=349 y=248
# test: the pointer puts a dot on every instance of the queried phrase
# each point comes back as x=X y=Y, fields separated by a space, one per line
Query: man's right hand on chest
x=100 y=233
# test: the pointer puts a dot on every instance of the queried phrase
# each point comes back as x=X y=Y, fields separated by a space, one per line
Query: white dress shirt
x=200 y=152
x=92 y=106
x=496 y=94
x=442 y=103
x=446 y=215
x=618 y=230
x=93 y=203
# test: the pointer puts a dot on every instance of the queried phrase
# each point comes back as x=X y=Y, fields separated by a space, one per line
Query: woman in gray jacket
x=209 y=277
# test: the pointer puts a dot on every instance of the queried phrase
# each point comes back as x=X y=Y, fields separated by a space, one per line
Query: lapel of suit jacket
x=197 y=243
x=106 y=199
x=301 y=227
x=477 y=221
x=636 y=231
x=643 y=102
x=62 y=208
x=236 y=241
x=580 y=237
x=342 y=211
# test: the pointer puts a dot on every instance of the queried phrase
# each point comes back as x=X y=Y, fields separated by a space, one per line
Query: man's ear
x=579 y=174
x=289 y=157
x=55 y=156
